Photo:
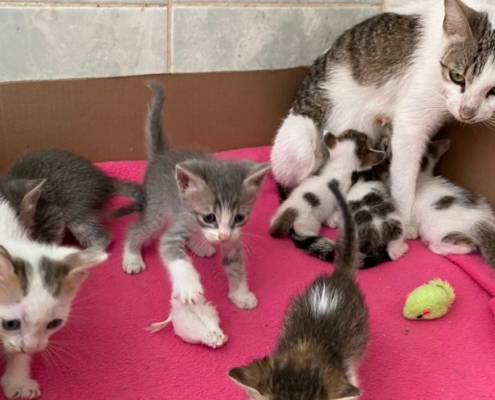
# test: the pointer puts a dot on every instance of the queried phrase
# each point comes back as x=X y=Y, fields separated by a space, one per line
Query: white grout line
x=79 y=5
x=169 y=37
x=385 y=5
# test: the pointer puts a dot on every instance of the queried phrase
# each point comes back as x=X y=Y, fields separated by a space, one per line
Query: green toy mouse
x=429 y=301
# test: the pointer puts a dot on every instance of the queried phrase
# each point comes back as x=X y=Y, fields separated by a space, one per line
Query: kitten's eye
x=239 y=218
x=491 y=92
x=54 y=324
x=11 y=325
x=209 y=218
x=457 y=78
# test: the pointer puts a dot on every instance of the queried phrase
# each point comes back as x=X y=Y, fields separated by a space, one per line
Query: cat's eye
x=209 y=218
x=491 y=92
x=240 y=218
x=457 y=78
x=54 y=324
x=11 y=324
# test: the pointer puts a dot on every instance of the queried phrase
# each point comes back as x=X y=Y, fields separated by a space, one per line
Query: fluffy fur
x=451 y=219
x=418 y=67
x=205 y=201
x=37 y=285
x=324 y=335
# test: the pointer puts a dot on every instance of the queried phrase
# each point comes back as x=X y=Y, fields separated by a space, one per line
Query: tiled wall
x=63 y=39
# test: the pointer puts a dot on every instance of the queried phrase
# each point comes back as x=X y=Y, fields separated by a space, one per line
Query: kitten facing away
x=66 y=192
x=324 y=335
x=205 y=201
x=419 y=66
x=37 y=285
x=451 y=219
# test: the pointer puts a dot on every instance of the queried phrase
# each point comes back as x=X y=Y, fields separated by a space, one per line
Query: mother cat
x=417 y=67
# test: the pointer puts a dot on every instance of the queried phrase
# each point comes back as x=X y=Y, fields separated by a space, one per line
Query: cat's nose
x=467 y=113
x=224 y=237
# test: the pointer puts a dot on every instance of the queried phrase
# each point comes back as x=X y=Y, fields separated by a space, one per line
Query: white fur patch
x=324 y=301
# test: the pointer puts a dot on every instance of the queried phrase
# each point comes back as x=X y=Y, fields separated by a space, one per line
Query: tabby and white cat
x=451 y=219
x=418 y=67
x=207 y=201
x=324 y=335
x=312 y=202
x=37 y=285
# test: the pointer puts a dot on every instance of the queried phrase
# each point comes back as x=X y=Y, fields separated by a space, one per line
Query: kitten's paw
x=332 y=222
x=244 y=300
x=15 y=388
x=215 y=339
x=133 y=264
x=412 y=232
x=190 y=293
x=397 y=250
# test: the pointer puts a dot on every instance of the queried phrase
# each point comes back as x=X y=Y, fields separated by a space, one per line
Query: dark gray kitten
x=204 y=200
x=54 y=190
x=324 y=335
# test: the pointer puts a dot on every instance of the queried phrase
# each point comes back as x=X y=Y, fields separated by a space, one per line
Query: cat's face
x=468 y=63
x=269 y=379
x=37 y=292
x=220 y=195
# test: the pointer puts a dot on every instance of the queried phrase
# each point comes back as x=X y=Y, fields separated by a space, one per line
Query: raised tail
x=132 y=190
x=317 y=246
x=484 y=233
x=156 y=142
x=346 y=251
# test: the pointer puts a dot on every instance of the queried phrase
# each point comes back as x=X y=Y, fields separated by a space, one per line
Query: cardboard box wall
x=103 y=119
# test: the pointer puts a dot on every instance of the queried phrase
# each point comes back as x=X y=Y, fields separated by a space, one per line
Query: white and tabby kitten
x=451 y=219
x=205 y=201
x=417 y=67
x=37 y=285
x=324 y=335
x=312 y=203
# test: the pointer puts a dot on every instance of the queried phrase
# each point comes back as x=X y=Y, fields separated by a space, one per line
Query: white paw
x=20 y=388
x=215 y=339
x=397 y=250
x=244 y=300
x=133 y=263
x=206 y=250
x=188 y=293
x=412 y=232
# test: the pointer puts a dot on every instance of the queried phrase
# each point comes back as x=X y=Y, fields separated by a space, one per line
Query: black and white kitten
x=324 y=335
x=66 y=191
x=205 y=201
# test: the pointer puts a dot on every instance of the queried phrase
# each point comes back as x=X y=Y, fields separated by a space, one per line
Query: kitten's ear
x=79 y=264
x=350 y=392
x=257 y=176
x=6 y=267
x=187 y=180
x=438 y=148
x=370 y=158
x=254 y=378
x=330 y=139
x=457 y=20
x=27 y=208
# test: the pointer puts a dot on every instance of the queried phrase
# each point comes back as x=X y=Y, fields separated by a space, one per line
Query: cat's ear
x=256 y=176
x=6 y=267
x=438 y=148
x=27 y=208
x=348 y=393
x=330 y=139
x=371 y=158
x=254 y=378
x=187 y=180
x=79 y=264
x=458 y=19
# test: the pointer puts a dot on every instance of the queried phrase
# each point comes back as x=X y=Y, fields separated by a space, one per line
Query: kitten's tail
x=484 y=233
x=317 y=246
x=128 y=189
x=346 y=250
x=157 y=144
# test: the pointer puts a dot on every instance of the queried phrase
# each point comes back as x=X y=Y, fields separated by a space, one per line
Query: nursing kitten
x=451 y=219
x=312 y=202
x=418 y=67
x=324 y=335
x=37 y=285
x=71 y=194
x=205 y=200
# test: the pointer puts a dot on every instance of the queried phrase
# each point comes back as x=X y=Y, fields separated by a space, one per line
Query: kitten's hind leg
x=453 y=243
x=90 y=232
x=16 y=381
x=233 y=263
x=198 y=244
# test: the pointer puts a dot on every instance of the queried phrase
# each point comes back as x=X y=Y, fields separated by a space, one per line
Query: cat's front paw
x=133 y=264
x=15 y=388
x=397 y=250
x=215 y=339
x=188 y=293
x=244 y=300
x=412 y=232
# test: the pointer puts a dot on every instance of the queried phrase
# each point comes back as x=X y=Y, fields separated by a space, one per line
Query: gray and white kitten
x=419 y=66
x=451 y=219
x=324 y=335
x=66 y=192
x=205 y=201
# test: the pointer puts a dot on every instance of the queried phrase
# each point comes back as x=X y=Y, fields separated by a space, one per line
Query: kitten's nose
x=467 y=113
x=224 y=237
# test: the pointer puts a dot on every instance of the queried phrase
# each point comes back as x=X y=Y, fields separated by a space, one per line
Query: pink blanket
x=106 y=353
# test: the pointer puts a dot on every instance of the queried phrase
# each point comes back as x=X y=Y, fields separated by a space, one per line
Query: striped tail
x=317 y=246
x=157 y=144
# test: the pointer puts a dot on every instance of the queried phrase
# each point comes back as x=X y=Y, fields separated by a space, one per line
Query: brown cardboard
x=103 y=119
